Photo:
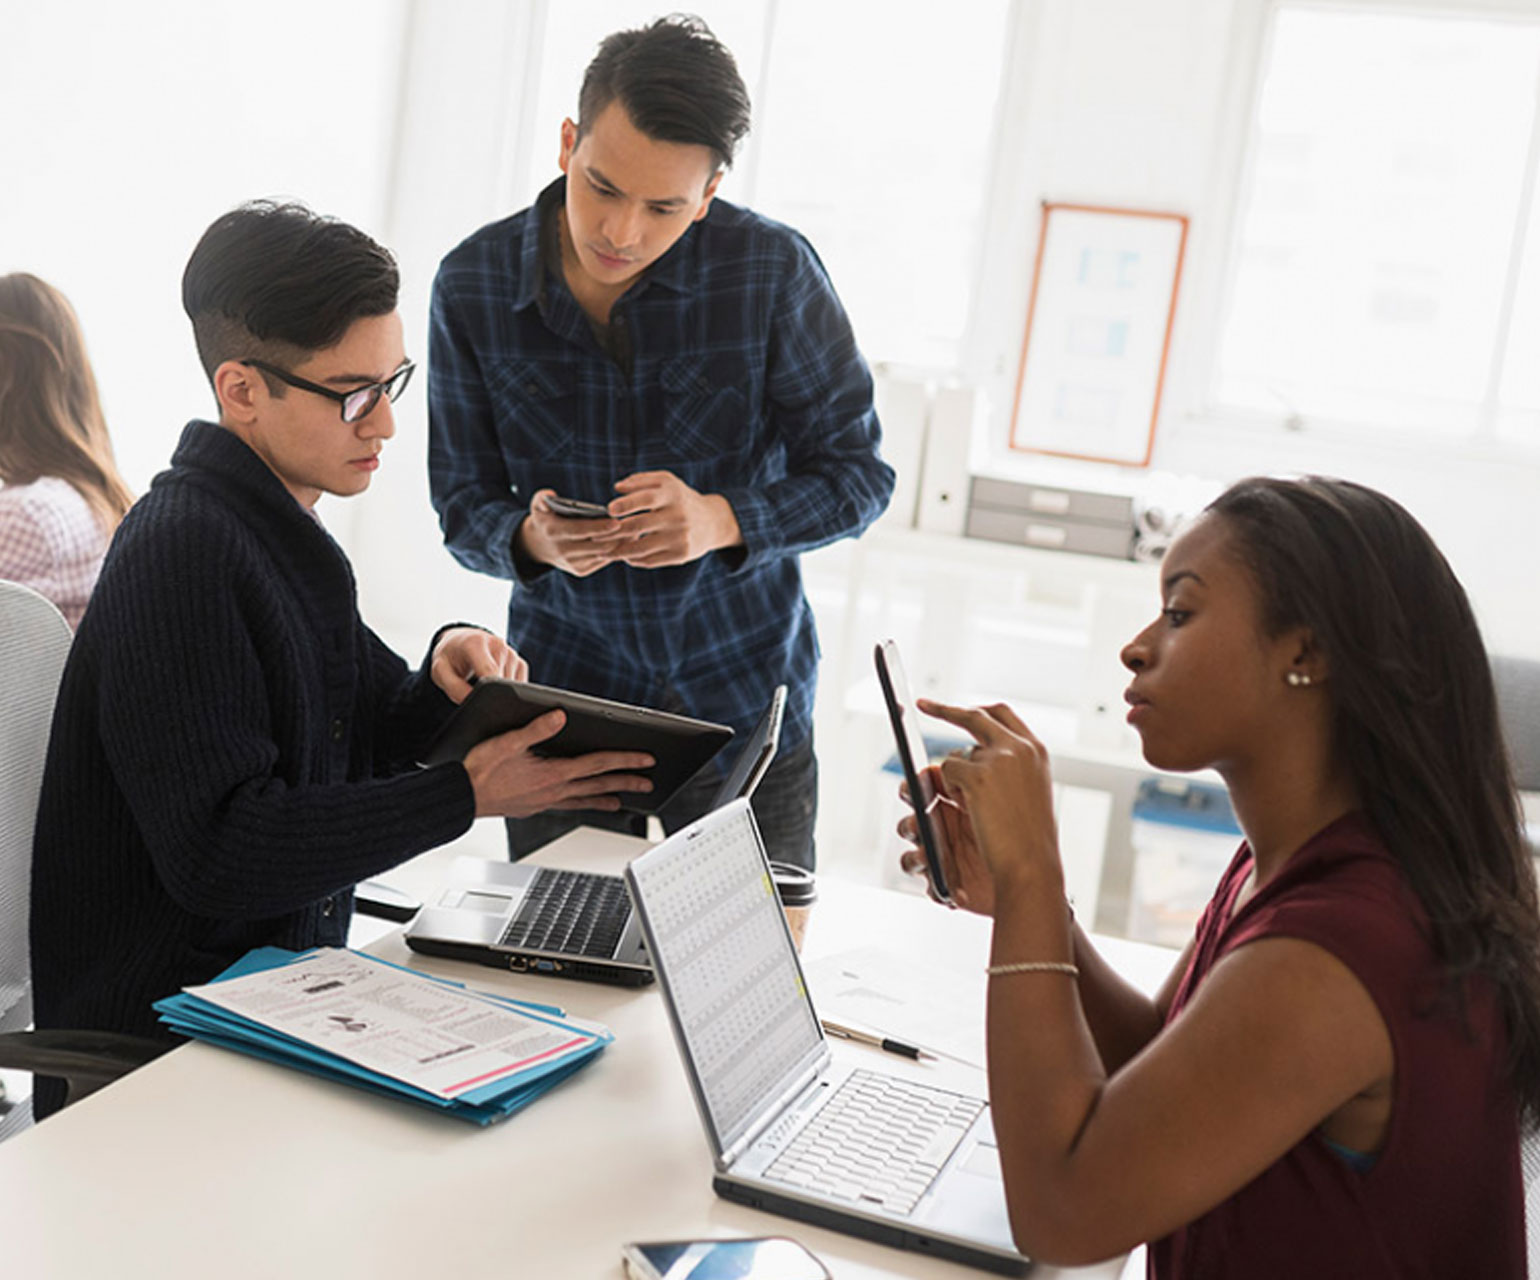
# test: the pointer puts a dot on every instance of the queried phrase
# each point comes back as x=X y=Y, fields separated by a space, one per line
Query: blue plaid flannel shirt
x=744 y=380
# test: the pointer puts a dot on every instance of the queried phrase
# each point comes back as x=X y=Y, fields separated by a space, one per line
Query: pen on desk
x=886 y=1043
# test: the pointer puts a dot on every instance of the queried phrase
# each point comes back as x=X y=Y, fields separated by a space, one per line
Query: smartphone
x=912 y=756
x=572 y=509
x=765 y=1258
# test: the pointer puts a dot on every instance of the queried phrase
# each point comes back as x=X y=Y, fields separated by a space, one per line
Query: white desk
x=208 y=1163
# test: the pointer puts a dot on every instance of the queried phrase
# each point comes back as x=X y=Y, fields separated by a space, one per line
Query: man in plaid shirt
x=684 y=365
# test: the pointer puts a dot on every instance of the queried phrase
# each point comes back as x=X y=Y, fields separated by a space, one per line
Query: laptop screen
x=754 y=759
x=722 y=952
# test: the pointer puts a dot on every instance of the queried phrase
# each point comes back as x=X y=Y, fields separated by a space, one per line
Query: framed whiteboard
x=1093 y=359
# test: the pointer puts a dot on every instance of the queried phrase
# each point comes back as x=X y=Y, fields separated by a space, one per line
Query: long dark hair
x=1416 y=722
x=51 y=421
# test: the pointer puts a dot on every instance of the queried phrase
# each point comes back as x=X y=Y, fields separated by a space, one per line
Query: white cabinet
x=979 y=622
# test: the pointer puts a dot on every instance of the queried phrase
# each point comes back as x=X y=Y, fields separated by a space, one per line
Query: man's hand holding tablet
x=597 y=743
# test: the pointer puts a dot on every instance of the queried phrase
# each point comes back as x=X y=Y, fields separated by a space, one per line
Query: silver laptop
x=568 y=924
x=855 y=1150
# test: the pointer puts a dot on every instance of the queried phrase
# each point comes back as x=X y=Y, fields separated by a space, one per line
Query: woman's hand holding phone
x=966 y=873
x=1005 y=786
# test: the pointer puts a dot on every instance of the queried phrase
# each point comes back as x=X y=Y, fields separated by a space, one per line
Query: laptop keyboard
x=879 y=1140
x=573 y=912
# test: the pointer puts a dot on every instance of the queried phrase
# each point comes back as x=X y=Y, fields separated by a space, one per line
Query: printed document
x=439 y=1038
x=908 y=997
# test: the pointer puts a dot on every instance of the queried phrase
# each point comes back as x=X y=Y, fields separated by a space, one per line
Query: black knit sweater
x=232 y=749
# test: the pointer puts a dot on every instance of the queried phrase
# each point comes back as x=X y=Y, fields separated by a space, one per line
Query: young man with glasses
x=631 y=341
x=233 y=749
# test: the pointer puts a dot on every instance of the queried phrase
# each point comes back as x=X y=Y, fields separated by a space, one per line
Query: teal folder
x=190 y=1015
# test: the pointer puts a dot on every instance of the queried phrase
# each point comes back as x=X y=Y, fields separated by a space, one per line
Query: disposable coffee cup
x=797 y=889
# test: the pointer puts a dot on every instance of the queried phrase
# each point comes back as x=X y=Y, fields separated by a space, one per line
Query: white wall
x=461 y=93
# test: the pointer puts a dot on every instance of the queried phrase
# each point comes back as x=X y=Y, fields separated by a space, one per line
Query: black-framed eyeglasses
x=356 y=404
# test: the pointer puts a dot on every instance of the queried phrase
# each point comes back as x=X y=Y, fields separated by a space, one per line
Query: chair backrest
x=1518 y=705
x=34 y=641
x=1529 y=1163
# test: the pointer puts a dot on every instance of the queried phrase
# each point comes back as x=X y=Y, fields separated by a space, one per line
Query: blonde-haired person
x=61 y=497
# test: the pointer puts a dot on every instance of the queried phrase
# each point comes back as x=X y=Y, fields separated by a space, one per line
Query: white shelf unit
x=981 y=621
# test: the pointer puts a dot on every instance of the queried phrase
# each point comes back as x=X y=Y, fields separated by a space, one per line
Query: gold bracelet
x=1034 y=966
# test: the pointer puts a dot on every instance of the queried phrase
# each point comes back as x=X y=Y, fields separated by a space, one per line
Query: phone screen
x=912 y=755
x=775 y=1258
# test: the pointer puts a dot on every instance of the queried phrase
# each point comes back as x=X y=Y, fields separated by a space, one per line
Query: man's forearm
x=526 y=564
x=725 y=533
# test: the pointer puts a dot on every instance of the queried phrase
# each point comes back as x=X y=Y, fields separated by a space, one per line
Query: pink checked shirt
x=50 y=541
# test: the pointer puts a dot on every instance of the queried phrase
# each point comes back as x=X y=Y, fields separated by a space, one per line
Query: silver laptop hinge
x=772 y=1113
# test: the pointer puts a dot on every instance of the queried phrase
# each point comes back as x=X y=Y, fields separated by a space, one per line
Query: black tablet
x=912 y=756
x=680 y=745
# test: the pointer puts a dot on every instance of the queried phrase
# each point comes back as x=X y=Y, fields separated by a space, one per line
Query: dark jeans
x=785 y=806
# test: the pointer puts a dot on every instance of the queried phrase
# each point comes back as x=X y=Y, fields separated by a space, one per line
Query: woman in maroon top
x=1331 y=1081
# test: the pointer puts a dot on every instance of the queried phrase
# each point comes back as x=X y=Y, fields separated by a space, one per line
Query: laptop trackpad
x=983 y=1160
x=476 y=900
x=478 y=928
x=971 y=1199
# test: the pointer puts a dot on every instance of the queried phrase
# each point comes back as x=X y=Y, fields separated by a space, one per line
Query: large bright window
x=877 y=128
x=1383 y=271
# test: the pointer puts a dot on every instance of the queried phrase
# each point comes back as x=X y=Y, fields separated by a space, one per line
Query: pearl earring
x=1298 y=679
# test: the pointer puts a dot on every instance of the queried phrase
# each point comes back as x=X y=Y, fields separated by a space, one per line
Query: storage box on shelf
x=1056 y=519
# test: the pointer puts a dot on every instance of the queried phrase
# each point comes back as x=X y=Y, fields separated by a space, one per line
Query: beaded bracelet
x=1034 y=966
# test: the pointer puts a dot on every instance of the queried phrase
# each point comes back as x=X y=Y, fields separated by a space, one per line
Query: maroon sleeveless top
x=1444 y=1197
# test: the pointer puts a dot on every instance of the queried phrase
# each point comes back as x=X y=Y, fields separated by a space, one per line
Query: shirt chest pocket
x=535 y=406
x=706 y=410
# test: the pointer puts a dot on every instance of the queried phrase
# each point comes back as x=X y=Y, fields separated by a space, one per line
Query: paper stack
x=373 y=1024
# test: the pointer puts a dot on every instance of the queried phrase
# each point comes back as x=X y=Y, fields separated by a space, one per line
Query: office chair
x=34 y=641
x=1517 y=681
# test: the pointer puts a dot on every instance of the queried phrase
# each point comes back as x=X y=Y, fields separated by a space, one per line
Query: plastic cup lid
x=797 y=886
